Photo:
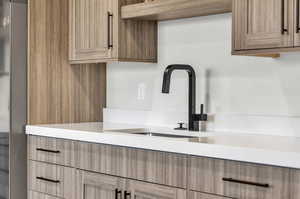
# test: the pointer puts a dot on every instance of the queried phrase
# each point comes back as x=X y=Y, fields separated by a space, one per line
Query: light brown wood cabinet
x=145 y=165
x=238 y=180
x=51 y=179
x=267 y=26
x=98 y=34
x=94 y=185
x=106 y=171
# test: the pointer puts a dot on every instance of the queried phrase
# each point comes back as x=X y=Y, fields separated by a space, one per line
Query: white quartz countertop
x=262 y=149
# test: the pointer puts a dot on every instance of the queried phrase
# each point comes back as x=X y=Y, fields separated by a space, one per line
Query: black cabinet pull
x=283 y=29
x=297 y=16
x=47 y=180
x=117 y=193
x=246 y=182
x=126 y=194
x=109 y=26
x=47 y=150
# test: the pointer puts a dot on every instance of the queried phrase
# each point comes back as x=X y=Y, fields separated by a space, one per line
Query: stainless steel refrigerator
x=13 y=53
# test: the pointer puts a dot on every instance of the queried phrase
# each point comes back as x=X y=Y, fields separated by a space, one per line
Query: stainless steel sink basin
x=162 y=135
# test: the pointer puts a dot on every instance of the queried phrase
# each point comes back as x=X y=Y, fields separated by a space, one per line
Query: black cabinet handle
x=47 y=150
x=246 y=182
x=109 y=26
x=283 y=29
x=297 y=16
x=47 y=180
x=126 y=194
x=117 y=193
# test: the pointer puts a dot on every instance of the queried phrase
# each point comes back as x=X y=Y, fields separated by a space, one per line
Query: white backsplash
x=245 y=94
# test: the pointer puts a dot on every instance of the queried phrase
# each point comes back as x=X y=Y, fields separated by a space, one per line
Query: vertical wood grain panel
x=65 y=176
x=65 y=148
x=57 y=91
x=257 y=24
x=206 y=175
x=152 y=166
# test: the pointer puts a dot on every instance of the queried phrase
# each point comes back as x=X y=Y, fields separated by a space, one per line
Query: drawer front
x=37 y=195
x=238 y=180
x=199 y=195
x=51 y=179
x=56 y=151
x=158 y=167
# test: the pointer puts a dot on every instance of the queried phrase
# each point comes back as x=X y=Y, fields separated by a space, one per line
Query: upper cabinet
x=265 y=26
x=297 y=21
x=98 y=34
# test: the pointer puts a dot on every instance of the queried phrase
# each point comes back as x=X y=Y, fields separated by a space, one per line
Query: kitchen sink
x=162 y=135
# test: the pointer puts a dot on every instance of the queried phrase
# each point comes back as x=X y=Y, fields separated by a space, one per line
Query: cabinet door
x=262 y=24
x=142 y=190
x=93 y=185
x=297 y=23
x=89 y=30
x=199 y=195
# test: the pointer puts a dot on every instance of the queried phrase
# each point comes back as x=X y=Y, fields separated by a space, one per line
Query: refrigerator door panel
x=5 y=57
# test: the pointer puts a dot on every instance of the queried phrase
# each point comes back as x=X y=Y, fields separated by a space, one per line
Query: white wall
x=246 y=94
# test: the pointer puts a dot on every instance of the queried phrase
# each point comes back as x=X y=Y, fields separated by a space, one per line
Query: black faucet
x=194 y=118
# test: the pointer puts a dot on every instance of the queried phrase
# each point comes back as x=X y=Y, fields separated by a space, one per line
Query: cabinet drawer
x=199 y=195
x=37 y=195
x=51 y=179
x=57 y=151
x=238 y=180
x=151 y=166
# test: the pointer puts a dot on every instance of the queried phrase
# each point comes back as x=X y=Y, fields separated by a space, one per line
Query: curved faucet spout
x=168 y=72
x=193 y=125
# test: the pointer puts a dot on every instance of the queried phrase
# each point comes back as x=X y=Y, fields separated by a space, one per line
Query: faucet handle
x=181 y=126
x=202 y=116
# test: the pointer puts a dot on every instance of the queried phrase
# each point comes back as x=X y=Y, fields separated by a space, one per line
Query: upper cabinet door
x=297 y=23
x=262 y=24
x=89 y=30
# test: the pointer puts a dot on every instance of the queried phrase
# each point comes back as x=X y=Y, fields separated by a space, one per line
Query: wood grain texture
x=175 y=9
x=57 y=91
x=296 y=34
x=151 y=166
x=295 y=184
x=92 y=30
x=206 y=175
x=257 y=24
x=38 y=195
x=92 y=185
x=199 y=195
x=268 y=51
x=142 y=190
x=88 y=36
x=65 y=188
x=66 y=149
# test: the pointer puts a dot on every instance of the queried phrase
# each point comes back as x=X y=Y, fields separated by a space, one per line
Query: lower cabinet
x=199 y=195
x=97 y=171
x=93 y=185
